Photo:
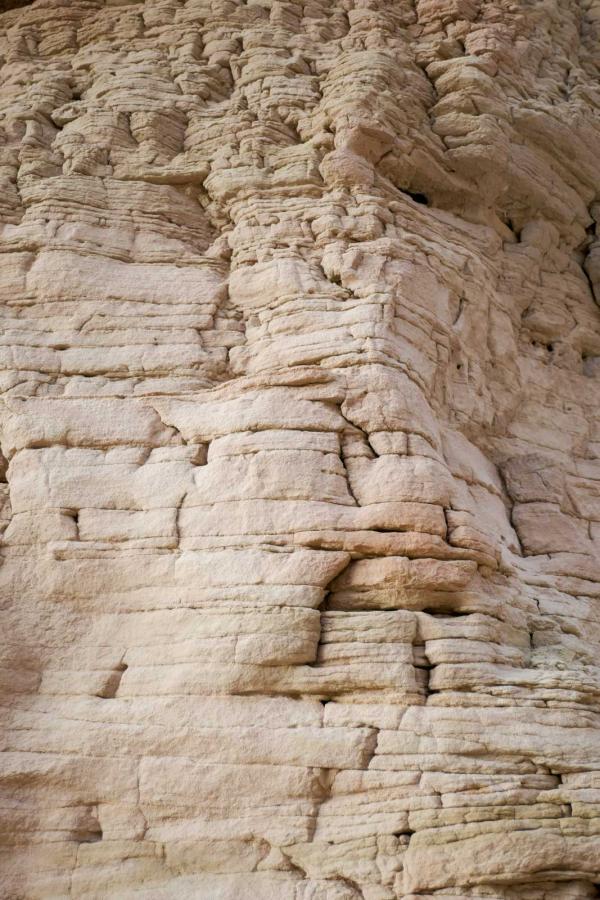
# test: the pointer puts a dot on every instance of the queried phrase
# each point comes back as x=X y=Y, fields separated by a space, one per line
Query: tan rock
x=299 y=450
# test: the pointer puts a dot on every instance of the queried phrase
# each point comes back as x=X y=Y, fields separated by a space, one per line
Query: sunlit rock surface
x=300 y=425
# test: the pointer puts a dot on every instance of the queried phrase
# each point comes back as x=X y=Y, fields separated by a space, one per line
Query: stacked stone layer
x=300 y=424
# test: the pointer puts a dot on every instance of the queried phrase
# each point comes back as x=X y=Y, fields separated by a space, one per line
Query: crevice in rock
x=111 y=686
x=74 y=515
x=327 y=590
x=424 y=679
x=590 y=364
x=348 y=479
x=351 y=884
x=443 y=613
x=5 y=503
x=593 y=290
x=294 y=867
x=512 y=227
x=89 y=830
x=177 y=517
x=326 y=780
x=510 y=505
x=200 y=457
x=354 y=428
x=422 y=667
x=446 y=512
x=406 y=833
x=200 y=448
x=585 y=252
x=139 y=805
x=372 y=749
x=461 y=305
x=331 y=879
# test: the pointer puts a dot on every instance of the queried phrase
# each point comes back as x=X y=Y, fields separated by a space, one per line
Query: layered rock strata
x=300 y=427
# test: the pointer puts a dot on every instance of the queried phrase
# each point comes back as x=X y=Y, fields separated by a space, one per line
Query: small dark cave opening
x=418 y=197
x=7 y=5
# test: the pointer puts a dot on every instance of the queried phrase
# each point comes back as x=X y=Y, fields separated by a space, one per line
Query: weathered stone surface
x=300 y=431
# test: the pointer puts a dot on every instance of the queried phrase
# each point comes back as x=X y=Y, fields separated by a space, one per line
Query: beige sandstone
x=300 y=429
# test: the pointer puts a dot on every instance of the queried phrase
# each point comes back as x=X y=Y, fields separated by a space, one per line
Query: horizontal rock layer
x=300 y=424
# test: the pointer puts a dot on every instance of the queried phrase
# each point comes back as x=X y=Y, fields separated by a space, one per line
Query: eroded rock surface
x=300 y=427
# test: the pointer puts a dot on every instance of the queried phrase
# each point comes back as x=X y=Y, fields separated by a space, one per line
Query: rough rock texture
x=301 y=421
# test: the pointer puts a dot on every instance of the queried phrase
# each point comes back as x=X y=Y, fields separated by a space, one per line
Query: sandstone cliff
x=300 y=428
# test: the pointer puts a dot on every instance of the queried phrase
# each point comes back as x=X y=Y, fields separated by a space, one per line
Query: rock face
x=300 y=425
